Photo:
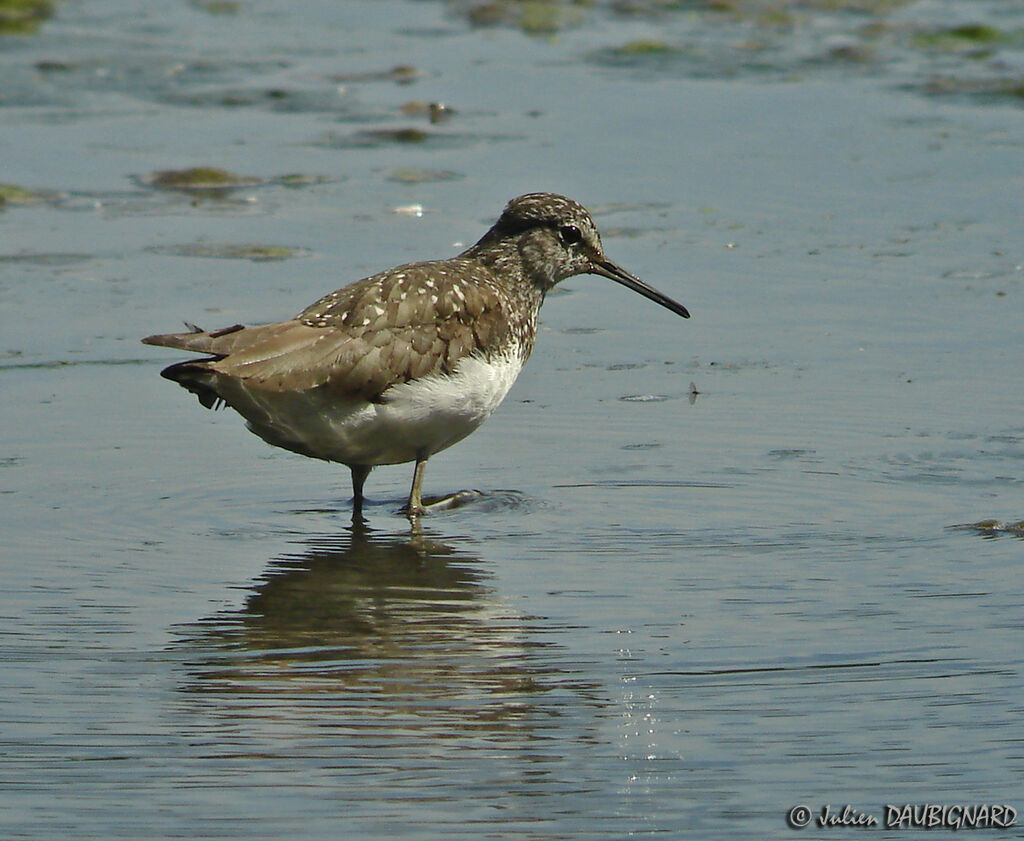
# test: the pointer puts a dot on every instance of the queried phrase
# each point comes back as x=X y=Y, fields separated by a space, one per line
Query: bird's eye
x=570 y=235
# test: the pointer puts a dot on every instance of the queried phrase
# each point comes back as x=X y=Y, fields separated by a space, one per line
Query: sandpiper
x=402 y=364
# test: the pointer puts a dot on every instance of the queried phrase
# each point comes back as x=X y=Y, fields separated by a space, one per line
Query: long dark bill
x=608 y=269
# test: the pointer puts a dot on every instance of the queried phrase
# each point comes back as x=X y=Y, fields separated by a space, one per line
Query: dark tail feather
x=196 y=339
x=198 y=379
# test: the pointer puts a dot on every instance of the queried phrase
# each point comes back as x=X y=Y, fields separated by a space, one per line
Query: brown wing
x=395 y=326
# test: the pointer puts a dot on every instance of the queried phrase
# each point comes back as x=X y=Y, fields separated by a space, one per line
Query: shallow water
x=666 y=615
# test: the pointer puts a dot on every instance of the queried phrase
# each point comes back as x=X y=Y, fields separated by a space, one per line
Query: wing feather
x=386 y=329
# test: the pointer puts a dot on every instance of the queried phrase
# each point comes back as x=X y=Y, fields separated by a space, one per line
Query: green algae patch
x=766 y=9
x=543 y=18
x=533 y=17
x=218 y=7
x=199 y=178
x=977 y=32
x=982 y=88
x=645 y=47
x=967 y=36
x=401 y=135
x=299 y=179
x=400 y=74
x=12 y=194
x=642 y=53
x=257 y=252
x=370 y=138
x=409 y=175
x=23 y=17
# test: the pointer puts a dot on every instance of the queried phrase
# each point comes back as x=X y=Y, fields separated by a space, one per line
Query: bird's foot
x=453 y=500
x=441 y=503
x=413 y=512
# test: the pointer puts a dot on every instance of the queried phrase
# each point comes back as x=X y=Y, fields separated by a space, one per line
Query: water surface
x=666 y=615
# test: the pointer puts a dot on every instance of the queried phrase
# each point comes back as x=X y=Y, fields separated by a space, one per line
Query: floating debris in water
x=400 y=74
x=790 y=452
x=436 y=112
x=644 y=398
x=993 y=528
x=411 y=136
x=54 y=66
x=398 y=135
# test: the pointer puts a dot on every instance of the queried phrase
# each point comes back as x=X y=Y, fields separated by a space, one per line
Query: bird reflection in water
x=379 y=627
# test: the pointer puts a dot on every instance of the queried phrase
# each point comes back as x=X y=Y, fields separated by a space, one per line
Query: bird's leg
x=415 y=506
x=359 y=474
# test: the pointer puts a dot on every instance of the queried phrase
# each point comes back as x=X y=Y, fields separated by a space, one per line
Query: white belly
x=423 y=417
x=413 y=420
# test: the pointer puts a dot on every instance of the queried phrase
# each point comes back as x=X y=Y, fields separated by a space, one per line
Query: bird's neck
x=524 y=297
x=508 y=269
